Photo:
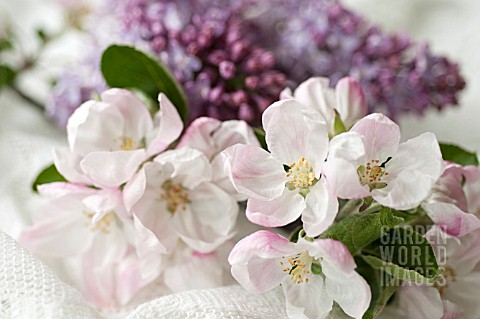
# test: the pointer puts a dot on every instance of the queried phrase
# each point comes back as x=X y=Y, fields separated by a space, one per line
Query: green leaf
x=360 y=230
x=404 y=254
x=126 y=67
x=7 y=75
x=260 y=134
x=48 y=175
x=5 y=44
x=456 y=154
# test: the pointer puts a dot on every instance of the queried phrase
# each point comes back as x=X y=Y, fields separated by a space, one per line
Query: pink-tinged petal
x=60 y=189
x=450 y=219
x=334 y=255
x=60 y=229
x=111 y=169
x=307 y=300
x=199 y=136
x=449 y=188
x=137 y=118
x=135 y=188
x=191 y=167
x=256 y=260
x=349 y=290
x=420 y=302
x=254 y=172
x=234 y=132
x=381 y=136
x=197 y=271
x=321 y=209
x=277 y=212
x=68 y=165
x=290 y=134
x=99 y=284
x=95 y=126
x=209 y=220
x=412 y=173
x=130 y=280
x=222 y=180
x=316 y=95
x=346 y=153
x=168 y=126
x=351 y=103
x=104 y=202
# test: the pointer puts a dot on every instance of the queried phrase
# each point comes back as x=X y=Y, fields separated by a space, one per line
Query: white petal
x=191 y=167
x=321 y=209
x=254 y=172
x=68 y=165
x=111 y=169
x=351 y=102
x=307 y=300
x=168 y=126
x=277 y=212
x=381 y=136
x=199 y=136
x=420 y=302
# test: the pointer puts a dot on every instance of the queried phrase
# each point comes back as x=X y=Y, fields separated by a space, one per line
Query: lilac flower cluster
x=234 y=57
x=323 y=38
x=213 y=53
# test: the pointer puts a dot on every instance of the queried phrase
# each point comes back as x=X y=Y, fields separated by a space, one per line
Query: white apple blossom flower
x=286 y=182
x=313 y=274
x=369 y=160
x=174 y=198
x=94 y=226
x=109 y=139
x=347 y=99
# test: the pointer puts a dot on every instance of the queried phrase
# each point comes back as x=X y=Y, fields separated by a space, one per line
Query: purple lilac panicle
x=234 y=57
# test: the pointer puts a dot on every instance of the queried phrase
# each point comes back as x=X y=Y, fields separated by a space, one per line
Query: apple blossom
x=174 y=198
x=369 y=160
x=313 y=274
x=93 y=225
x=347 y=99
x=447 y=204
x=286 y=182
x=109 y=139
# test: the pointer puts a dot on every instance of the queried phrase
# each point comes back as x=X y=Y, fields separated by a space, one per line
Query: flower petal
x=310 y=300
x=168 y=126
x=290 y=134
x=351 y=102
x=381 y=136
x=412 y=173
x=321 y=209
x=136 y=116
x=277 y=212
x=349 y=290
x=346 y=153
x=450 y=219
x=111 y=169
x=68 y=165
x=254 y=172
x=256 y=260
x=191 y=167
x=199 y=135
x=333 y=253
x=420 y=302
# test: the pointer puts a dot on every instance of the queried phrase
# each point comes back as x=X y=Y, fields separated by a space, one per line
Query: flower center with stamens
x=298 y=267
x=371 y=174
x=127 y=143
x=175 y=195
x=301 y=175
x=448 y=275
x=103 y=225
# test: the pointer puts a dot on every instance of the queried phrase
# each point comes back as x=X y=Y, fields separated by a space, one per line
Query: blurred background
x=450 y=27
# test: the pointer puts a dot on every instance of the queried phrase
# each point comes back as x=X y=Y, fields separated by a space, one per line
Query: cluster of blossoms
x=321 y=149
x=233 y=57
x=134 y=210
